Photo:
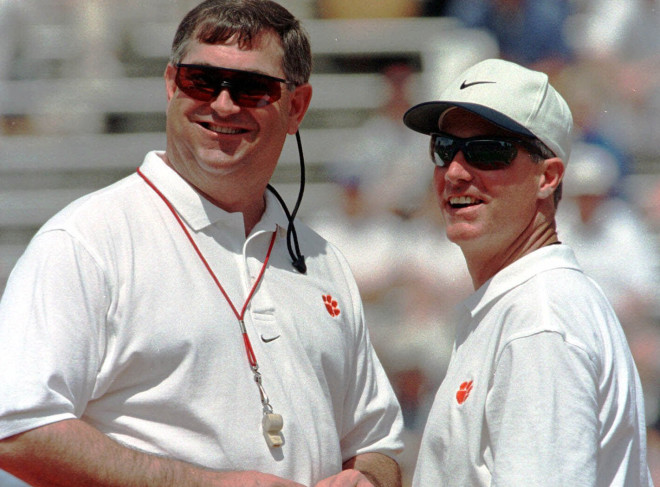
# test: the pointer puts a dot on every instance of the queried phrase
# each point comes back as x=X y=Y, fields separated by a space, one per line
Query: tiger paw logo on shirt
x=463 y=392
x=331 y=305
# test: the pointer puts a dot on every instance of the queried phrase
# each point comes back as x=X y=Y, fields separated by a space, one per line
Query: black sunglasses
x=482 y=152
x=246 y=89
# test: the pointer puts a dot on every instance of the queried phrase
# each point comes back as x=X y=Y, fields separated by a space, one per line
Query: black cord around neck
x=298 y=260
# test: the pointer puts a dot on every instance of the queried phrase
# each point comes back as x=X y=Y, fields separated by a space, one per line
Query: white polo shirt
x=541 y=389
x=111 y=317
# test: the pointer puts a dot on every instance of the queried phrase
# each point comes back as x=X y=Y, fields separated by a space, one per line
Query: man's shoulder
x=103 y=207
x=560 y=300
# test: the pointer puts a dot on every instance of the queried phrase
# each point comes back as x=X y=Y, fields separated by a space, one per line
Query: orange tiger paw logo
x=463 y=392
x=331 y=305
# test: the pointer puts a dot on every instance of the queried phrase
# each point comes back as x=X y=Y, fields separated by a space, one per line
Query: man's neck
x=483 y=265
x=232 y=197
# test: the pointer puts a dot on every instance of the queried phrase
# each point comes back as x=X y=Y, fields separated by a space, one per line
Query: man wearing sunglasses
x=541 y=388
x=158 y=333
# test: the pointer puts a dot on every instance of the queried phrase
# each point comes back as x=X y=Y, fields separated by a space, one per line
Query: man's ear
x=553 y=173
x=170 y=85
x=300 y=99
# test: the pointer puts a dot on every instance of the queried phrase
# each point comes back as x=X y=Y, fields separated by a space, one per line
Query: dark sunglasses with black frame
x=246 y=89
x=483 y=152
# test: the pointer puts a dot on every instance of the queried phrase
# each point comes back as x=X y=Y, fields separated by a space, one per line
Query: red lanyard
x=240 y=316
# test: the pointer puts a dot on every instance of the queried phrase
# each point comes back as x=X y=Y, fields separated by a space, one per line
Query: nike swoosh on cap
x=465 y=84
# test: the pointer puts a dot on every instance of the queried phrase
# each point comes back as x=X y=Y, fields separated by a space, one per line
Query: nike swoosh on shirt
x=465 y=84
x=268 y=340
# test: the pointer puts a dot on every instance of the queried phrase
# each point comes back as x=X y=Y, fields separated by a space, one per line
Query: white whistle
x=272 y=425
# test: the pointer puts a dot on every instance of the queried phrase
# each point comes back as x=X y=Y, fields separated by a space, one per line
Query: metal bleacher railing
x=96 y=130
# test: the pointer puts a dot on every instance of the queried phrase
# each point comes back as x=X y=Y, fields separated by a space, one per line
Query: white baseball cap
x=513 y=97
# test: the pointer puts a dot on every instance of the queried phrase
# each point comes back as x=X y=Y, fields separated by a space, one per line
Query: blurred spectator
x=588 y=93
x=372 y=242
x=529 y=32
x=599 y=227
x=619 y=41
x=366 y=237
x=383 y=175
x=389 y=162
x=433 y=278
x=615 y=248
x=602 y=28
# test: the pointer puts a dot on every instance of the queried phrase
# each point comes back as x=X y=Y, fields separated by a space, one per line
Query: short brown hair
x=216 y=21
x=545 y=153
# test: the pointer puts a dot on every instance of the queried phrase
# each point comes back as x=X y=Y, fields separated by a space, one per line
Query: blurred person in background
x=380 y=183
x=541 y=388
x=589 y=93
x=370 y=240
x=157 y=332
x=417 y=349
x=609 y=236
x=614 y=245
x=617 y=45
x=382 y=155
x=528 y=32
x=374 y=244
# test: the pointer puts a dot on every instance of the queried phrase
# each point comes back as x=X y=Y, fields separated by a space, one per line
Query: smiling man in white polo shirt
x=541 y=389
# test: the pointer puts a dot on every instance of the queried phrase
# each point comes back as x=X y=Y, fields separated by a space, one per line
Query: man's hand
x=71 y=452
x=366 y=470
x=347 y=478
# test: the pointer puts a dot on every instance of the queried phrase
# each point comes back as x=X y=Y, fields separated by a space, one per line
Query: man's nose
x=458 y=168
x=224 y=102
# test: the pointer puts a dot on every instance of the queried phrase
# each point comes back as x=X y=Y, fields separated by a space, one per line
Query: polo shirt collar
x=544 y=259
x=197 y=211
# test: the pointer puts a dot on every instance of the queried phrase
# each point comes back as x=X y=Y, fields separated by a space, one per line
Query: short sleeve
x=51 y=333
x=541 y=411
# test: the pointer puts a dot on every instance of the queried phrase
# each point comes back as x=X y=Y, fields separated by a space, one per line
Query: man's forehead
x=264 y=50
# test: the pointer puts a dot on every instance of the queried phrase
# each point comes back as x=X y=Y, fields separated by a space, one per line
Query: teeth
x=222 y=130
x=462 y=200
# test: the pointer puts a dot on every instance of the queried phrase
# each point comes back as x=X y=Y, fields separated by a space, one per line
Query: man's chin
x=217 y=162
x=462 y=234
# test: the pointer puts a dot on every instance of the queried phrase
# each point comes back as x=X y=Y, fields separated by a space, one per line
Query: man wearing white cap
x=541 y=388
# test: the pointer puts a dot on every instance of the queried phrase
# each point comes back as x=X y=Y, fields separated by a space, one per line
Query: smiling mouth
x=222 y=130
x=458 y=202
